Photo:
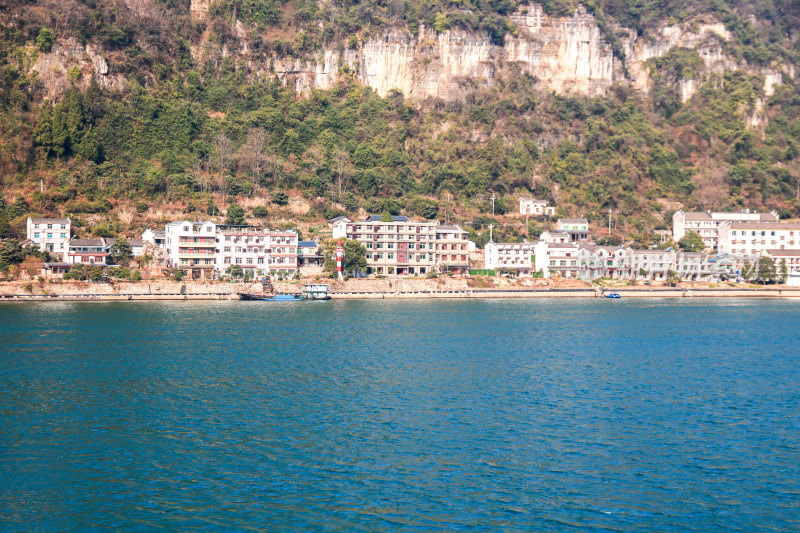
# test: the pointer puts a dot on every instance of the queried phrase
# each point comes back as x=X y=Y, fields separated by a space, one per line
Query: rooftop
x=532 y=199
x=395 y=218
x=765 y=225
x=179 y=222
x=307 y=244
x=572 y=221
x=449 y=229
x=793 y=252
x=715 y=215
x=86 y=242
x=50 y=220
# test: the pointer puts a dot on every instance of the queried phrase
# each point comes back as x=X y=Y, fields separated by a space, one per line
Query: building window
x=36 y=235
x=49 y=235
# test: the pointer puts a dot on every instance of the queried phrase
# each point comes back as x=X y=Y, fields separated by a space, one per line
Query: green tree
x=260 y=211
x=235 y=271
x=5 y=227
x=96 y=273
x=45 y=39
x=12 y=252
x=354 y=258
x=18 y=208
x=78 y=272
x=74 y=74
x=136 y=275
x=692 y=242
x=767 y=273
x=784 y=271
x=121 y=251
x=386 y=216
x=425 y=208
x=280 y=198
x=119 y=272
x=234 y=215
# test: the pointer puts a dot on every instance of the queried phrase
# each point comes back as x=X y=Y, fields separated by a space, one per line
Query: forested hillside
x=141 y=124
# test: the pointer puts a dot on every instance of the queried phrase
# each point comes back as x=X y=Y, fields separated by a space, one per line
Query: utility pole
x=493 y=198
x=490 y=232
x=447 y=210
x=609 y=220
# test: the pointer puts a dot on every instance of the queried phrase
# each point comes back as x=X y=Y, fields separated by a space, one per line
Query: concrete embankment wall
x=573 y=293
x=357 y=290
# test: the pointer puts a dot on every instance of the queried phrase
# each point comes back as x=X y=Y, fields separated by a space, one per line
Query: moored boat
x=316 y=291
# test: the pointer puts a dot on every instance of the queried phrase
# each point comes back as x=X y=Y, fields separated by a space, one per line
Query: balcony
x=198 y=243
x=195 y=255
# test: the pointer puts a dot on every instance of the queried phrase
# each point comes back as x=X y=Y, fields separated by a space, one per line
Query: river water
x=483 y=415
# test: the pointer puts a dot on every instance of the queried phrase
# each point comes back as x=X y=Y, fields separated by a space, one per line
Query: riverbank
x=371 y=289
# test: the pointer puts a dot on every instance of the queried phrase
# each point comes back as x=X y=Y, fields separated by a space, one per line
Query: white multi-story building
x=516 y=256
x=190 y=246
x=555 y=236
x=528 y=205
x=707 y=224
x=577 y=228
x=452 y=249
x=87 y=252
x=791 y=258
x=754 y=238
x=651 y=264
x=50 y=234
x=598 y=261
x=557 y=259
x=399 y=247
x=256 y=250
x=590 y=262
x=157 y=237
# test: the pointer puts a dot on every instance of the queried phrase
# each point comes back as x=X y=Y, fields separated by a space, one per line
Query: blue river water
x=483 y=415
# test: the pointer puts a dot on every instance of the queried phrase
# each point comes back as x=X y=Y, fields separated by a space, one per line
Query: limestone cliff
x=566 y=54
x=53 y=68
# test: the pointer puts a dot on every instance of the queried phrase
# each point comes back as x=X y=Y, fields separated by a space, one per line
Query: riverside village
x=370 y=255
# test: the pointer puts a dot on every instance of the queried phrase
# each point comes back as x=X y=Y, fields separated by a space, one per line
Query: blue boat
x=612 y=295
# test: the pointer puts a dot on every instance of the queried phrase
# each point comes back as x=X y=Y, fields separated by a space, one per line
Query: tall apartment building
x=258 y=251
x=50 y=234
x=282 y=249
x=191 y=247
x=754 y=238
x=452 y=253
x=399 y=247
x=707 y=224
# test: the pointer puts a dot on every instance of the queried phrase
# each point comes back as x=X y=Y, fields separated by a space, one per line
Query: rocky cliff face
x=566 y=55
x=53 y=68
